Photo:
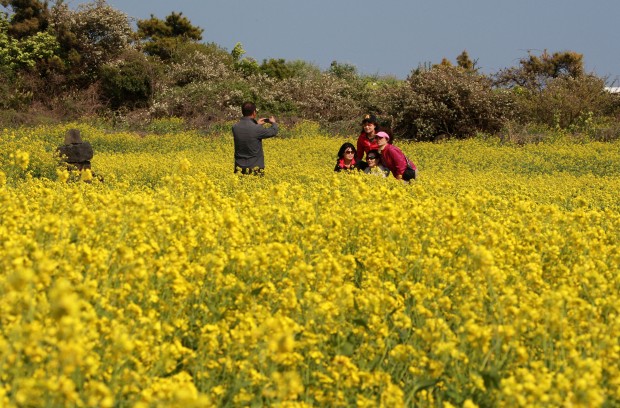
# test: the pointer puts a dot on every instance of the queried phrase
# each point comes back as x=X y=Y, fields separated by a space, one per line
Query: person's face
x=381 y=141
x=349 y=153
x=369 y=128
x=372 y=161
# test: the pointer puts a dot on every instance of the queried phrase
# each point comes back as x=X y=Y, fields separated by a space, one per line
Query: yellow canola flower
x=22 y=159
x=86 y=175
x=63 y=300
x=174 y=282
x=63 y=174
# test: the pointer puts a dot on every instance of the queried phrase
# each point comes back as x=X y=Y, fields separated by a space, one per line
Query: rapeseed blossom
x=490 y=281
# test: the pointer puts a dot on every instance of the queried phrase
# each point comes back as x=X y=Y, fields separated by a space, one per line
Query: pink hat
x=383 y=134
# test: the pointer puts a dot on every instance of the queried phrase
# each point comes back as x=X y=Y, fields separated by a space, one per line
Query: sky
x=393 y=37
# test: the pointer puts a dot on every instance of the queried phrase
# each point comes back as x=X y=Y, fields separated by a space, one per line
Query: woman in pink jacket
x=395 y=160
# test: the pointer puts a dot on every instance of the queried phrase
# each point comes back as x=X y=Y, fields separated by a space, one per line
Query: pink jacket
x=395 y=160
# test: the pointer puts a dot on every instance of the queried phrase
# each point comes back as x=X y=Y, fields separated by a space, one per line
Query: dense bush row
x=58 y=64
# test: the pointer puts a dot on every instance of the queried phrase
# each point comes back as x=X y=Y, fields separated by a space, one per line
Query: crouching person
x=395 y=160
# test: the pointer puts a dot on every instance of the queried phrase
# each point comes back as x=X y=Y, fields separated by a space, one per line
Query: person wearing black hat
x=366 y=140
x=249 y=134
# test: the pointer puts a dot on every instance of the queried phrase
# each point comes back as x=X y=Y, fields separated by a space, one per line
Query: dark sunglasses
x=348 y=151
x=372 y=158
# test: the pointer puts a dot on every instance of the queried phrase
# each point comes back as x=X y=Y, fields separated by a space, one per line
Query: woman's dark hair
x=344 y=147
x=371 y=119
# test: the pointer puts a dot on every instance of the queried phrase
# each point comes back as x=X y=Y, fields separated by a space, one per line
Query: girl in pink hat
x=395 y=160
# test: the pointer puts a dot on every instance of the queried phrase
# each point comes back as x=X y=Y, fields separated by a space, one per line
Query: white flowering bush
x=101 y=32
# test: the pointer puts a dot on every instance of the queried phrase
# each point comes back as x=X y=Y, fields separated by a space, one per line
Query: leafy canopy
x=160 y=37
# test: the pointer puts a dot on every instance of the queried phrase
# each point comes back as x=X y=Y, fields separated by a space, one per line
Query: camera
x=266 y=120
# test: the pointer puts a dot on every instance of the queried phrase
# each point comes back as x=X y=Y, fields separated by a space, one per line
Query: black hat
x=370 y=118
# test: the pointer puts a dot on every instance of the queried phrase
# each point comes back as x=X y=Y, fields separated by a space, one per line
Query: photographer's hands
x=270 y=119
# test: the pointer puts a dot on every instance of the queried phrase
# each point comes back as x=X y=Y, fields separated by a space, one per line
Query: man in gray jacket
x=249 y=134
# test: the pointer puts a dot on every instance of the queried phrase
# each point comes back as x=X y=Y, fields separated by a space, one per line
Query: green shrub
x=276 y=68
x=164 y=126
x=162 y=37
x=303 y=69
x=606 y=132
x=12 y=93
x=534 y=72
x=446 y=101
x=128 y=82
x=566 y=101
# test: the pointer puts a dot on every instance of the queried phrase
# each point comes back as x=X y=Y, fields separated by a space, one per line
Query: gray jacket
x=249 y=137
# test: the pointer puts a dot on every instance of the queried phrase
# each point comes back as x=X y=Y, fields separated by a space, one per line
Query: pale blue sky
x=392 y=37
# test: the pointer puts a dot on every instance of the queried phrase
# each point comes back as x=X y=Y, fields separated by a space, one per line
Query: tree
x=445 y=62
x=28 y=18
x=161 y=37
x=303 y=69
x=198 y=62
x=90 y=36
x=25 y=53
x=553 y=89
x=463 y=61
x=534 y=72
x=343 y=70
x=276 y=68
x=246 y=66
x=128 y=82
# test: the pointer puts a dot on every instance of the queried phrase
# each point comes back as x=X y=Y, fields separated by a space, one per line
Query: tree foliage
x=161 y=37
x=90 y=36
x=343 y=70
x=566 y=101
x=29 y=17
x=276 y=68
x=128 y=81
x=554 y=89
x=24 y=52
x=534 y=72
x=244 y=65
x=464 y=61
x=447 y=101
x=64 y=59
x=194 y=62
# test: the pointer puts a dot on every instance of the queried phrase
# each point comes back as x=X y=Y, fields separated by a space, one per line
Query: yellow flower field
x=166 y=280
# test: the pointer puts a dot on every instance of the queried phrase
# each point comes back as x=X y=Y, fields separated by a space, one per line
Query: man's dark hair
x=248 y=108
